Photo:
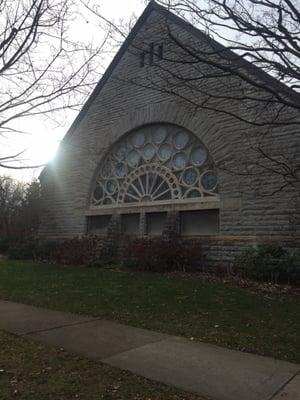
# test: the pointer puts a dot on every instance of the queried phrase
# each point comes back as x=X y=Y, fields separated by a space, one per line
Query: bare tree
x=44 y=69
x=12 y=195
x=243 y=62
x=20 y=208
x=258 y=42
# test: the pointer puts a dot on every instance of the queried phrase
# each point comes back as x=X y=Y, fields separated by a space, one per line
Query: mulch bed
x=268 y=289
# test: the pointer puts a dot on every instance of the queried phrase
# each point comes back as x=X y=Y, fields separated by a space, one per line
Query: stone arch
x=208 y=127
x=156 y=162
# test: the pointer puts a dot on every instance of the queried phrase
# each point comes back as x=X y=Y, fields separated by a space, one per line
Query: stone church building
x=143 y=159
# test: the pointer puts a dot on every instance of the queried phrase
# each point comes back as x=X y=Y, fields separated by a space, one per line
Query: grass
x=30 y=371
x=215 y=313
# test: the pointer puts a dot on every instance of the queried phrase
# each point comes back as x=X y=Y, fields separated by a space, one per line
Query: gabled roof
x=229 y=54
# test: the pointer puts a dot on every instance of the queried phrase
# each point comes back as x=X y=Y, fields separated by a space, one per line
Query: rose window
x=156 y=163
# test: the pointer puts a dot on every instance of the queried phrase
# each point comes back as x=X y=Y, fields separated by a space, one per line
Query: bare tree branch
x=43 y=69
x=243 y=62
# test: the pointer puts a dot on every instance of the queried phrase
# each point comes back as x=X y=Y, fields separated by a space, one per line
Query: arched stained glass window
x=159 y=162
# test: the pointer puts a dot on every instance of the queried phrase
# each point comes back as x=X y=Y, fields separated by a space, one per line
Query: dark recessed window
x=98 y=224
x=155 y=223
x=200 y=222
x=130 y=224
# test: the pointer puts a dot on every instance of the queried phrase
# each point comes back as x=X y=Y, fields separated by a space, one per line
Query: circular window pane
x=180 y=160
x=111 y=187
x=120 y=170
x=120 y=152
x=181 y=139
x=165 y=152
x=138 y=139
x=148 y=152
x=98 y=193
x=190 y=176
x=198 y=156
x=133 y=158
x=209 y=180
x=193 y=193
x=159 y=135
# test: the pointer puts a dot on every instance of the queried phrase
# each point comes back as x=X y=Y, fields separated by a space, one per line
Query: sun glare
x=38 y=139
x=39 y=143
x=43 y=149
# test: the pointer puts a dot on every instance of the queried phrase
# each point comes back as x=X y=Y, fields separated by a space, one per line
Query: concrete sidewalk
x=212 y=371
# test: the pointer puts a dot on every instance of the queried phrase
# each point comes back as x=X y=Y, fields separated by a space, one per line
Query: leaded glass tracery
x=159 y=162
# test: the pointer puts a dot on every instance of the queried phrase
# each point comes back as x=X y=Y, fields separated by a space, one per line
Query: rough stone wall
x=247 y=209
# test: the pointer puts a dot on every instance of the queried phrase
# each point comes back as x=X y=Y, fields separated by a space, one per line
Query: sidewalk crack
x=59 y=327
x=284 y=385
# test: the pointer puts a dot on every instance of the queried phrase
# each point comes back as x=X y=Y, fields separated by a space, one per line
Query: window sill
x=182 y=205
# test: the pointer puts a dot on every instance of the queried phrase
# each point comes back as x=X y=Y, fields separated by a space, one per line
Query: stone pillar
x=172 y=226
x=143 y=224
x=110 y=243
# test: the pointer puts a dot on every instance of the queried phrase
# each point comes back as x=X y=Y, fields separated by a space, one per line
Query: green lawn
x=30 y=371
x=215 y=313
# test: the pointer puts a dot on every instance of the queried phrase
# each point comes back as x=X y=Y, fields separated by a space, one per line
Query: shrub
x=78 y=250
x=269 y=263
x=163 y=256
x=22 y=250
x=104 y=262
x=4 y=245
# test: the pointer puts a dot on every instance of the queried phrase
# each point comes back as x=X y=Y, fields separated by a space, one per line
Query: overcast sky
x=43 y=138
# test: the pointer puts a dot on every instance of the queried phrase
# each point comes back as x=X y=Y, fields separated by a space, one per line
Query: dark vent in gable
x=142 y=60
x=154 y=54
x=160 y=52
x=151 y=53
